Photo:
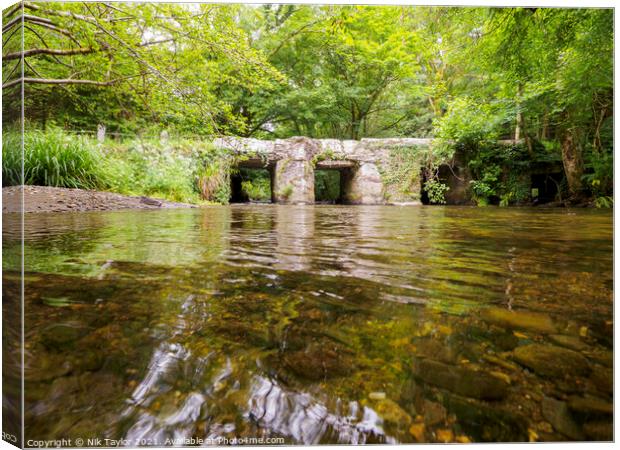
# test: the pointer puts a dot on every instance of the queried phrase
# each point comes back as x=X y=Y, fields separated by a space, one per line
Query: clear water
x=316 y=324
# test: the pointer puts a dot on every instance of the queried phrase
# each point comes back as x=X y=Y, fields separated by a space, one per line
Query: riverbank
x=55 y=199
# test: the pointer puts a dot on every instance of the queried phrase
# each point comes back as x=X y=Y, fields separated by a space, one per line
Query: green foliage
x=537 y=73
x=600 y=176
x=166 y=64
x=12 y=157
x=404 y=168
x=515 y=188
x=52 y=158
x=436 y=191
x=327 y=185
x=604 y=202
x=286 y=191
x=325 y=156
x=150 y=168
x=256 y=184
x=500 y=172
x=485 y=187
x=468 y=121
x=213 y=167
x=347 y=70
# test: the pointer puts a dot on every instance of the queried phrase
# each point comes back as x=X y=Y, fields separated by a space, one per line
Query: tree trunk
x=572 y=159
x=544 y=133
x=519 y=126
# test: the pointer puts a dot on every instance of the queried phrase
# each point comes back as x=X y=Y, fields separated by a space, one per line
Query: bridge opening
x=332 y=181
x=251 y=185
x=327 y=186
x=423 y=194
x=546 y=187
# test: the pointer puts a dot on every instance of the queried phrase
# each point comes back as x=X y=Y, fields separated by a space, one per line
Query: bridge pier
x=293 y=177
x=293 y=182
x=362 y=185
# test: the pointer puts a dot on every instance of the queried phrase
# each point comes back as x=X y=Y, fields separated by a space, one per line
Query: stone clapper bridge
x=292 y=162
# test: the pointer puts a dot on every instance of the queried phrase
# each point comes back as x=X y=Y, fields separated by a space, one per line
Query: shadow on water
x=318 y=324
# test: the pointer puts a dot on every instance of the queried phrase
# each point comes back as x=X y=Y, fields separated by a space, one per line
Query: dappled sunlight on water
x=317 y=324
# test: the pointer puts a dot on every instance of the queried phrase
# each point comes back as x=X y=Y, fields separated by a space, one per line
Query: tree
x=161 y=62
x=349 y=70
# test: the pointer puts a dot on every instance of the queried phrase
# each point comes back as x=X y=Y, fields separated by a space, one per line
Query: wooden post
x=163 y=137
x=100 y=132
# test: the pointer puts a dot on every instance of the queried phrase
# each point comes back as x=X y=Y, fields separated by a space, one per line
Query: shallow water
x=316 y=324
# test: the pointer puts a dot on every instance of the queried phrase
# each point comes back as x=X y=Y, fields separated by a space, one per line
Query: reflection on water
x=317 y=324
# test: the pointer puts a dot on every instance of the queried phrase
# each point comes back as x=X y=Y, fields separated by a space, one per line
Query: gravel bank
x=54 y=199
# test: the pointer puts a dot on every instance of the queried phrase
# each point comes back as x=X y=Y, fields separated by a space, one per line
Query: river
x=315 y=324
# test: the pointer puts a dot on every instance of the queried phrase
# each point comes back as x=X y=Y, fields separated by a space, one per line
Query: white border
x=484 y=3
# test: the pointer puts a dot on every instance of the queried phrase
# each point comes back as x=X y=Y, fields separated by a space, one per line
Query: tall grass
x=11 y=158
x=52 y=158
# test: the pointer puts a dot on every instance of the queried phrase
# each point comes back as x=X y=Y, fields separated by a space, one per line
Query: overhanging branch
x=58 y=81
x=47 y=51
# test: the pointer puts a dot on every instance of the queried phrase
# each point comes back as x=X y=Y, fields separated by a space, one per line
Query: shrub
x=499 y=172
x=436 y=191
x=213 y=168
x=486 y=187
x=604 y=202
x=153 y=169
x=600 y=172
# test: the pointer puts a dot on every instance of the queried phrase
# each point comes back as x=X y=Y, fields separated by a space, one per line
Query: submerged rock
x=60 y=334
x=392 y=413
x=434 y=413
x=603 y=379
x=88 y=360
x=549 y=360
x=558 y=415
x=523 y=320
x=436 y=350
x=466 y=382
x=318 y=362
x=572 y=342
x=47 y=367
x=599 y=431
x=504 y=364
x=590 y=406
x=601 y=356
x=487 y=423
